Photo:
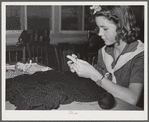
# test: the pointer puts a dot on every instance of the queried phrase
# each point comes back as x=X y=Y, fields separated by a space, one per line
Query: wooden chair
x=54 y=59
x=37 y=47
x=92 y=58
x=61 y=50
x=15 y=54
x=38 y=53
x=83 y=52
x=65 y=49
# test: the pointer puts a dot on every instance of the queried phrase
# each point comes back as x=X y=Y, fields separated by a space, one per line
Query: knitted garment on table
x=47 y=90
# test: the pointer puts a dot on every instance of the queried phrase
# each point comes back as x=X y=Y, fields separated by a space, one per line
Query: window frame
x=82 y=31
x=24 y=11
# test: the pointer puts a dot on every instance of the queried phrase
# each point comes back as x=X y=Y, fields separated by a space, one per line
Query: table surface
x=120 y=104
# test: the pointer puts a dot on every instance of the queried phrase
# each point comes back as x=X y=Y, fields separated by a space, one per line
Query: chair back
x=65 y=49
x=61 y=51
x=92 y=58
x=15 y=54
x=37 y=47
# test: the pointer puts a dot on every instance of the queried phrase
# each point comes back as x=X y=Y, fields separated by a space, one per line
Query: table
x=120 y=104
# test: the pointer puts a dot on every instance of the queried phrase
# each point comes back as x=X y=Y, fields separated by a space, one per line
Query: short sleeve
x=137 y=69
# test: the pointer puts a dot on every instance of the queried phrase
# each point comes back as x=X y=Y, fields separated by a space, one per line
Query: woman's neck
x=118 y=48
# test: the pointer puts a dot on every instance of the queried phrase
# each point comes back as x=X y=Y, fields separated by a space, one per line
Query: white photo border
x=82 y=115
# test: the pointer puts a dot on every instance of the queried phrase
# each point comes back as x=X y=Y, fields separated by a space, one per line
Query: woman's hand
x=82 y=68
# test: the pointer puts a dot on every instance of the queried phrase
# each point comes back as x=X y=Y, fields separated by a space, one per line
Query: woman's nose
x=100 y=33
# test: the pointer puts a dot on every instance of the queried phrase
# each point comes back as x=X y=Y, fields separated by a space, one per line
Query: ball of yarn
x=106 y=101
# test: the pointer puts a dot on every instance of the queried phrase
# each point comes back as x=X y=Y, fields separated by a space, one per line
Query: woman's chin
x=109 y=44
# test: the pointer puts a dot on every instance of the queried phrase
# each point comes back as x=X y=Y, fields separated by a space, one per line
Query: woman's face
x=107 y=30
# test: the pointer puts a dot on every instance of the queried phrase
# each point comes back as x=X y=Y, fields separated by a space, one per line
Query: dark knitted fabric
x=47 y=90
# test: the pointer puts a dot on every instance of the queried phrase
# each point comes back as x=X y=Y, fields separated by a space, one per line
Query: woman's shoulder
x=139 y=56
x=138 y=59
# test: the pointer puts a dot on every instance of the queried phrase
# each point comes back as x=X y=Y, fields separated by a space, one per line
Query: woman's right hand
x=70 y=64
x=82 y=68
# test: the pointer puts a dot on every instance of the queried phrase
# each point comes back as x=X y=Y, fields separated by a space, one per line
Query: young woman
x=120 y=65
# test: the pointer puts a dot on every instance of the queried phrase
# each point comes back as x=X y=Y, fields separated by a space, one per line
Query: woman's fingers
x=76 y=67
x=71 y=66
x=82 y=61
x=75 y=64
x=72 y=69
x=70 y=62
x=72 y=58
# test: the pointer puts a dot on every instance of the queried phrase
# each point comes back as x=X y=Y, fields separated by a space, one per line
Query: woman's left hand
x=82 y=68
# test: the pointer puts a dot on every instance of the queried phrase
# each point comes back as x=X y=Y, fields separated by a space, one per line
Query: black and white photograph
x=74 y=60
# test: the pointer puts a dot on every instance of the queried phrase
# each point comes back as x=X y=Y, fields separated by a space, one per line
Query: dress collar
x=128 y=48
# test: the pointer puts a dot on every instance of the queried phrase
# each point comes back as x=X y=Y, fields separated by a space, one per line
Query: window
x=71 y=18
x=88 y=25
x=39 y=17
x=28 y=17
x=13 y=18
x=75 y=18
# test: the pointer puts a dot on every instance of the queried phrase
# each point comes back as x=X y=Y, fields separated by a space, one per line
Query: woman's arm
x=130 y=94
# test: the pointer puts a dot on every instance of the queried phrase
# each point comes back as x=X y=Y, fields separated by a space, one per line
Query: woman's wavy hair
x=124 y=18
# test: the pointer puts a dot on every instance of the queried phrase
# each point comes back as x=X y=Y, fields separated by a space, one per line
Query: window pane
x=88 y=24
x=39 y=17
x=13 y=14
x=71 y=18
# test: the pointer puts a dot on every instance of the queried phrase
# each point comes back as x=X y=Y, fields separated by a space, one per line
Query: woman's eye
x=105 y=28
